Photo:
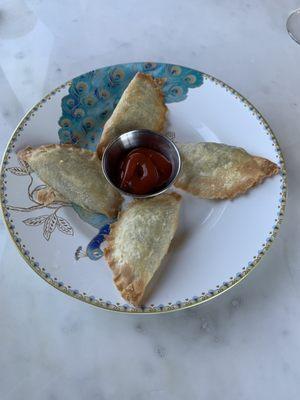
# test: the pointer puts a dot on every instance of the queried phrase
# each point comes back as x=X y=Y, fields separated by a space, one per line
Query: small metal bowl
x=131 y=140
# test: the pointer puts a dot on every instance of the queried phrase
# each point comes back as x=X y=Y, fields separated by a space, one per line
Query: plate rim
x=171 y=307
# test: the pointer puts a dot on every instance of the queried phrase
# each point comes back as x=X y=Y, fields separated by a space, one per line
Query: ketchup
x=143 y=170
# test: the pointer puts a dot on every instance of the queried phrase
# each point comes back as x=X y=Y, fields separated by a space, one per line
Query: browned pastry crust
x=48 y=196
x=135 y=263
x=76 y=174
x=140 y=107
x=218 y=171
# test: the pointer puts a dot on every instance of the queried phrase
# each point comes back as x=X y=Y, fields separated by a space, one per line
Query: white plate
x=217 y=243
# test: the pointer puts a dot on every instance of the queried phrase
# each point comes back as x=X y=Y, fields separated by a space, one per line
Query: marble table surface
x=244 y=345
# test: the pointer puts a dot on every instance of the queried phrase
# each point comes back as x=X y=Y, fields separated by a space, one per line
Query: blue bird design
x=93 y=249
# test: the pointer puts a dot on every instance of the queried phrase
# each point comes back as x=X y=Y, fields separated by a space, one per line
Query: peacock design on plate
x=91 y=100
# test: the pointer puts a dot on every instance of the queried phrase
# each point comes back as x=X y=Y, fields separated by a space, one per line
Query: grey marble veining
x=243 y=345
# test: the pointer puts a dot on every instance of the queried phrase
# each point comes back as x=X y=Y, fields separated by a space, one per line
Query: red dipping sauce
x=143 y=170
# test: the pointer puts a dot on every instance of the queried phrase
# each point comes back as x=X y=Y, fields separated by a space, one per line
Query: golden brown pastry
x=138 y=242
x=47 y=195
x=218 y=171
x=140 y=107
x=74 y=173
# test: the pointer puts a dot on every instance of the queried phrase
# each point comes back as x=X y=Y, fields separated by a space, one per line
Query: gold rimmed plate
x=217 y=243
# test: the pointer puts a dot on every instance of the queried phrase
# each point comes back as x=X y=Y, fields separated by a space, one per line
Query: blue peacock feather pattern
x=91 y=100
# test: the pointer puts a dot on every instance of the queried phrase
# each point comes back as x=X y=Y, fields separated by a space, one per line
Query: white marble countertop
x=242 y=346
